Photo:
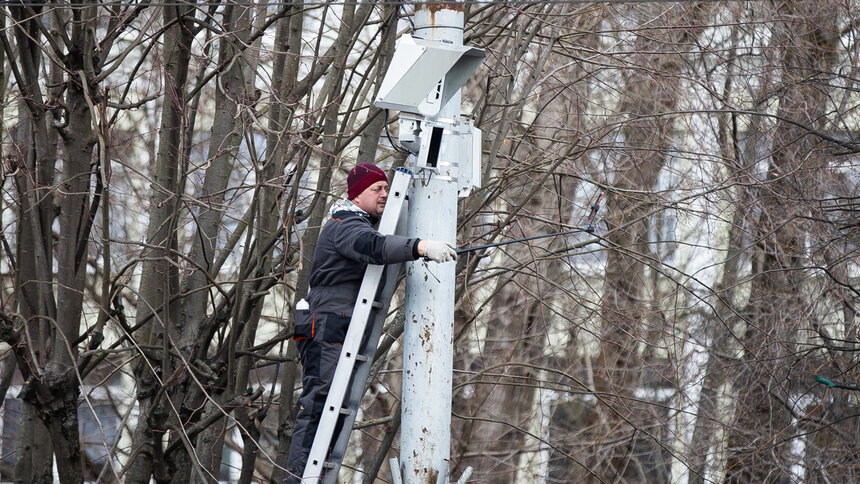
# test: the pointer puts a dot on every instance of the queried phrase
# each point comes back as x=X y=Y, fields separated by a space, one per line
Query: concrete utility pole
x=423 y=82
x=428 y=353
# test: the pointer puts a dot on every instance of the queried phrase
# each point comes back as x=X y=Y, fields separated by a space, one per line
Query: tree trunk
x=159 y=279
x=33 y=448
x=721 y=330
x=52 y=388
x=288 y=37
x=650 y=95
x=806 y=40
x=233 y=94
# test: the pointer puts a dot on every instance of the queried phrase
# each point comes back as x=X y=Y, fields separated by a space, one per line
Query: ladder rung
x=376 y=304
x=360 y=357
x=328 y=465
x=346 y=411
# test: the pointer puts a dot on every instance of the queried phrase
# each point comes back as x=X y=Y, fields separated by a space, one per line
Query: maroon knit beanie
x=362 y=176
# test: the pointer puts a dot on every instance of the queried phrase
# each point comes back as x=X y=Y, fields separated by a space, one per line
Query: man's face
x=372 y=199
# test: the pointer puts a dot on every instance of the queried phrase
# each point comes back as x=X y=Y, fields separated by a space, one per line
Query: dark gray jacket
x=349 y=242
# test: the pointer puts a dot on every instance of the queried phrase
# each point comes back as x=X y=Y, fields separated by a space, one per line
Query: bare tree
x=167 y=169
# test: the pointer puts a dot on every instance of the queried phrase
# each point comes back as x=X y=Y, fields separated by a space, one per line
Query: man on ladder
x=347 y=244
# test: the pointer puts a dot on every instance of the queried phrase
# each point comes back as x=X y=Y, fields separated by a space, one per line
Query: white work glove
x=439 y=251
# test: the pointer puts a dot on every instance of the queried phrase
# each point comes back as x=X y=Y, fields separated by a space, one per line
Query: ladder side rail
x=355 y=333
x=362 y=368
x=391 y=277
x=353 y=400
x=342 y=376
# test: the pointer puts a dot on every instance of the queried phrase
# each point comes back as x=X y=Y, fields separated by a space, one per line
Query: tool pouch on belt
x=304 y=325
x=327 y=327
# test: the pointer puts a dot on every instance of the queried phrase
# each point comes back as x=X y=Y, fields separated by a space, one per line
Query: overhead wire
x=314 y=3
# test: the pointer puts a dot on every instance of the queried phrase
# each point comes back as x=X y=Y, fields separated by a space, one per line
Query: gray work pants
x=319 y=346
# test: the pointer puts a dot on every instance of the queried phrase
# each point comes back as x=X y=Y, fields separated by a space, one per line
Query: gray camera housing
x=424 y=75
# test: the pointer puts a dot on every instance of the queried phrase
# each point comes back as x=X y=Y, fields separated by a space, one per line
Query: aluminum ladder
x=354 y=364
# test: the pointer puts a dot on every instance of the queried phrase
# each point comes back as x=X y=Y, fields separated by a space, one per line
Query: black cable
x=408 y=17
x=589 y=229
x=514 y=241
x=394 y=145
